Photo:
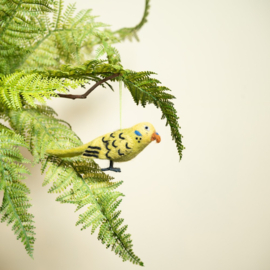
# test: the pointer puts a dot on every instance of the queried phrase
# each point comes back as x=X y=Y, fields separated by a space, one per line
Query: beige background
x=211 y=211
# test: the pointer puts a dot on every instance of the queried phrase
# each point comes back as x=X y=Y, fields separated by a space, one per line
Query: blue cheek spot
x=138 y=133
x=157 y=133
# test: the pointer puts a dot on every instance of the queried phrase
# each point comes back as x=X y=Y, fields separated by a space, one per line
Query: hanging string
x=120 y=102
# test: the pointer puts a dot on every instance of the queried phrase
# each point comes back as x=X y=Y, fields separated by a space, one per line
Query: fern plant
x=15 y=201
x=46 y=50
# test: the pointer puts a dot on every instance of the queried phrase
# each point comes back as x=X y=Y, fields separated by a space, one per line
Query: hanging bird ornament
x=118 y=146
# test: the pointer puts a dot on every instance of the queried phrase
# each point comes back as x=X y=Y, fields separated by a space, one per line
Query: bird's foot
x=111 y=169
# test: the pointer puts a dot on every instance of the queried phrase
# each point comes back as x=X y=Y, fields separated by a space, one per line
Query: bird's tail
x=66 y=152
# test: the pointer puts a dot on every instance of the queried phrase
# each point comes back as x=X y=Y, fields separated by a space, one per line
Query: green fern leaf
x=131 y=32
x=79 y=181
x=15 y=203
x=19 y=26
x=19 y=88
x=67 y=39
x=146 y=90
x=40 y=34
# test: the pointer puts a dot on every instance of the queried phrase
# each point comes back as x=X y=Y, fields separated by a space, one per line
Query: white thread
x=120 y=102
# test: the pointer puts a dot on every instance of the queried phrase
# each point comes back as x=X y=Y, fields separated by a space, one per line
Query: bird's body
x=118 y=146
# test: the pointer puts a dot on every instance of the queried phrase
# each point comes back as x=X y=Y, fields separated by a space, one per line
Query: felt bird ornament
x=118 y=146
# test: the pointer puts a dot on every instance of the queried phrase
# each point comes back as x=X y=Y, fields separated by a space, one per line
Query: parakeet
x=118 y=146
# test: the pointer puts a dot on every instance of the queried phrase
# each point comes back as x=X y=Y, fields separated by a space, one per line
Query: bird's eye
x=146 y=128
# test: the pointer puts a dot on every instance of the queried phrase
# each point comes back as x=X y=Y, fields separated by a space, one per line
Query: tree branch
x=90 y=90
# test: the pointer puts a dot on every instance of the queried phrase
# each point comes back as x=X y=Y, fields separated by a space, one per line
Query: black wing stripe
x=121 y=136
x=90 y=155
x=94 y=147
x=127 y=146
x=106 y=142
x=111 y=135
x=91 y=152
x=113 y=144
x=119 y=153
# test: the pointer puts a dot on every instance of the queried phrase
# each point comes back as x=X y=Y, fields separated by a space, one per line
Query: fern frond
x=79 y=181
x=19 y=88
x=19 y=26
x=15 y=203
x=66 y=20
x=146 y=90
x=131 y=32
x=66 y=40
x=93 y=70
x=57 y=13
x=32 y=39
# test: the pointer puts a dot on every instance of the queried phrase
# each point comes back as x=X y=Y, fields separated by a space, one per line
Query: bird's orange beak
x=155 y=136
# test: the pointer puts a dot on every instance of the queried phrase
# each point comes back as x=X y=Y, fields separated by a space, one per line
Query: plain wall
x=211 y=211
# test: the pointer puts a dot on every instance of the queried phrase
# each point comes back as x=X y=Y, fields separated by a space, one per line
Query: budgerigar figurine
x=118 y=146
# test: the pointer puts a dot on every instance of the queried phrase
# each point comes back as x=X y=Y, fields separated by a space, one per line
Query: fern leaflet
x=19 y=88
x=15 y=203
x=18 y=27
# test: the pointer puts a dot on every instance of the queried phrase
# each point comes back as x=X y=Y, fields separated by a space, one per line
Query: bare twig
x=90 y=90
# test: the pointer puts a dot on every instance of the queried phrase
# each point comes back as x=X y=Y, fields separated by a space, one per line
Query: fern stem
x=83 y=96
x=141 y=23
x=59 y=14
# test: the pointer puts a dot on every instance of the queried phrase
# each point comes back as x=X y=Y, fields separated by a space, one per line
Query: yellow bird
x=118 y=146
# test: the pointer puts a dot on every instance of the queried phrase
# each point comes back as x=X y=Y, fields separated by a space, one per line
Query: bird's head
x=146 y=133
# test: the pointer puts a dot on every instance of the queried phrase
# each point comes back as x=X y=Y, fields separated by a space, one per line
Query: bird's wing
x=112 y=146
x=121 y=145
